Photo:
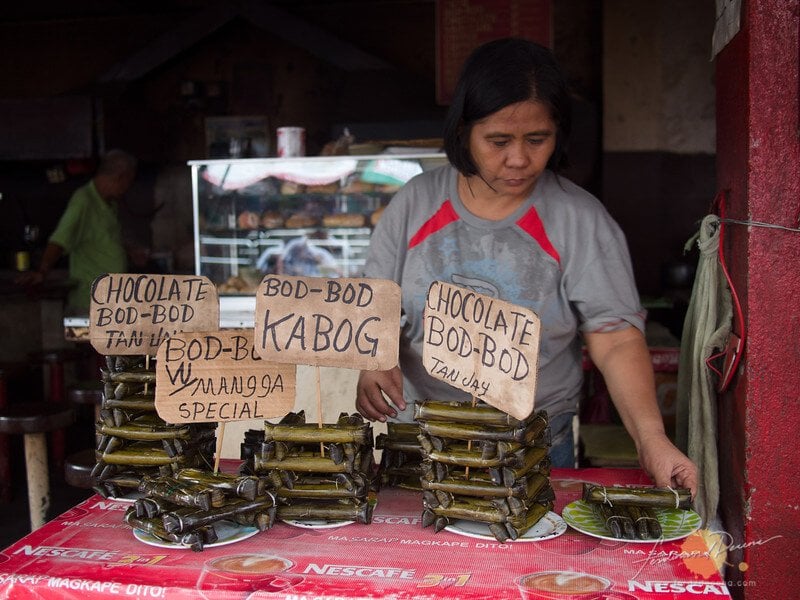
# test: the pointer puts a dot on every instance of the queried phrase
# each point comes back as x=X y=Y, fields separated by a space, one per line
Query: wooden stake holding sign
x=216 y=377
x=130 y=315
x=346 y=322
x=488 y=348
x=484 y=346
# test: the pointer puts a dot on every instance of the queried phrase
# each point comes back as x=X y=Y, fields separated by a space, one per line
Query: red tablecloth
x=88 y=552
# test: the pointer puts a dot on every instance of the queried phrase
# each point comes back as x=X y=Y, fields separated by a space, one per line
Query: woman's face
x=511 y=147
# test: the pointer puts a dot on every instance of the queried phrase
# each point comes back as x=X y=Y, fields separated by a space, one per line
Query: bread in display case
x=308 y=216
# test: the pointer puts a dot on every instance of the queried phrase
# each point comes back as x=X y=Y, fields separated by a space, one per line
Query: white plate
x=228 y=532
x=131 y=496
x=675 y=524
x=322 y=523
x=317 y=524
x=549 y=526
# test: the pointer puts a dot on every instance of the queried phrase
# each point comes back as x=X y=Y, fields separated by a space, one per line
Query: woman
x=500 y=221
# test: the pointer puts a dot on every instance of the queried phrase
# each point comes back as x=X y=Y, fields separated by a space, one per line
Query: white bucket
x=291 y=141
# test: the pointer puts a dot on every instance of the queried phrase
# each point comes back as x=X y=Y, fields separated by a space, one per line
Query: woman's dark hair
x=499 y=73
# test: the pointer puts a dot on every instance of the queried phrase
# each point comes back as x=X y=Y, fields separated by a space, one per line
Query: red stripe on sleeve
x=443 y=217
x=531 y=224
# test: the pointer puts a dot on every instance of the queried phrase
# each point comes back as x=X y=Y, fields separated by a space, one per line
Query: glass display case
x=309 y=216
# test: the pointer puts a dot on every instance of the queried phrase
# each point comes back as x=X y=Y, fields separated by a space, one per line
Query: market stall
x=104 y=547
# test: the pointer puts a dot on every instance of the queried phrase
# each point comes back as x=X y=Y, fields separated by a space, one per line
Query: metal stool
x=54 y=374
x=8 y=370
x=79 y=465
x=78 y=469
x=33 y=420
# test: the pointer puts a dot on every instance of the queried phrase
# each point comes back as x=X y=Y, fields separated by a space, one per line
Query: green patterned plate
x=675 y=523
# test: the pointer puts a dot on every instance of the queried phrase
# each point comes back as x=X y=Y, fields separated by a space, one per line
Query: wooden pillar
x=38 y=478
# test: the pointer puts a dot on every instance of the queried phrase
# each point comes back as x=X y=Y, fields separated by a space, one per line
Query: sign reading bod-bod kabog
x=348 y=322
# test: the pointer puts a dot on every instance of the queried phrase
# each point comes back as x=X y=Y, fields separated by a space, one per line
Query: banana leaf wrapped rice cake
x=401 y=456
x=317 y=472
x=133 y=441
x=185 y=508
x=481 y=464
x=631 y=512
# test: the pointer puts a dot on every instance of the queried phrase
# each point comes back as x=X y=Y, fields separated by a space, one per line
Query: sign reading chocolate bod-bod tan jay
x=132 y=313
x=495 y=447
x=487 y=347
x=161 y=448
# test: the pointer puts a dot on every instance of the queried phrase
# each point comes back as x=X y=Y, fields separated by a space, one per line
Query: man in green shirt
x=89 y=231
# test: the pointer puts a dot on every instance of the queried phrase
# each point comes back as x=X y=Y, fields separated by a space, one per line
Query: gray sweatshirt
x=560 y=254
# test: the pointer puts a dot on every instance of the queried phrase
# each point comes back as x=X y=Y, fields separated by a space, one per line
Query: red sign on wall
x=463 y=25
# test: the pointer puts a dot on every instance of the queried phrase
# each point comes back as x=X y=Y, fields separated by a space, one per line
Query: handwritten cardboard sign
x=133 y=314
x=345 y=322
x=484 y=346
x=216 y=376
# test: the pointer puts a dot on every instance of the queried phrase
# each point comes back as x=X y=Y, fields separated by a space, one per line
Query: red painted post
x=758 y=161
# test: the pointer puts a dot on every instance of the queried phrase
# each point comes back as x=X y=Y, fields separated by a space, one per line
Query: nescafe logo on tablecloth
x=360 y=571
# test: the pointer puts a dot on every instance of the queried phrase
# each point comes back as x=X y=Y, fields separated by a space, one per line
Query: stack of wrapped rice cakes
x=481 y=464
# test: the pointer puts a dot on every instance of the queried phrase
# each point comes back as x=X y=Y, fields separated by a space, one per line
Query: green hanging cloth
x=705 y=334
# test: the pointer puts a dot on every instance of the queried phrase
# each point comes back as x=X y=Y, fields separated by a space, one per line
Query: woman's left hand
x=668 y=466
x=624 y=360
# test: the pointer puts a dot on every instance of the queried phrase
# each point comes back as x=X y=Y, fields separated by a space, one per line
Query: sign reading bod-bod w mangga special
x=217 y=377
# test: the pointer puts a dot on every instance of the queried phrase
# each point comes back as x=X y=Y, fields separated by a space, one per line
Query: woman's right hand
x=372 y=391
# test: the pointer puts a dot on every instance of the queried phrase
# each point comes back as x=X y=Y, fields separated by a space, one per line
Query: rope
x=647 y=519
x=760 y=224
x=677 y=499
